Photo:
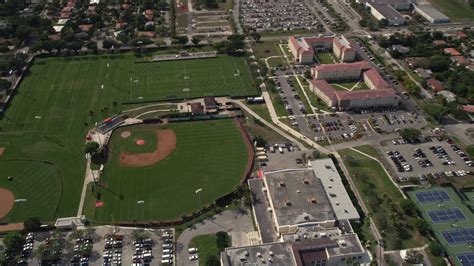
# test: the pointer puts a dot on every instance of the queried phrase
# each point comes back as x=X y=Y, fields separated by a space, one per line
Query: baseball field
x=210 y=155
x=60 y=99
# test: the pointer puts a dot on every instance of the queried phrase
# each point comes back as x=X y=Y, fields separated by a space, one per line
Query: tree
x=436 y=248
x=316 y=154
x=408 y=207
x=139 y=235
x=422 y=226
x=108 y=43
x=4 y=84
x=18 y=61
x=22 y=32
x=91 y=147
x=260 y=141
x=414 y=257
x=256 y=36
x=439 y=63
x=410 y=134
x=181 y=40
x=13 y=242
x=222 y=241
x=195 y=40
x=307 y=74
x=212 y=261
x=32 y=224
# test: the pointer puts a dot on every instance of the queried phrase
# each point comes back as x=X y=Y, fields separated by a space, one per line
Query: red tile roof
x=451 y=51
x=342 y=66
x=325 y=88
x=86 y=27
x=468 y=108
x=435 y=85
x=365 y=94
x=376 y=79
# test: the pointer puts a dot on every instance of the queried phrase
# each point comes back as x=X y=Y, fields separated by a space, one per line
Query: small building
x=460 y=60
x=196 y=108
x=70 y=223
x=452 y=51
x=386 y=11
x=448 y=95
x=211 y=104
x=400 y=48
x=435 y=85
x=440 y=43
x=468 y=108
x=416 y=62
x=431 y=14
x=146 y=34
x=424 y=73
x=86 y=27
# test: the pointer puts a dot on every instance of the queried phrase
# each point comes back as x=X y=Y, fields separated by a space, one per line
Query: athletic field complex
x=45 y=125
x=209 y=155
x=450 y=219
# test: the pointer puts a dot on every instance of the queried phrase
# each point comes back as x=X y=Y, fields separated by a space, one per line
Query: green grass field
x=378 y=193
x=438 y=228
x=456 y=10
x=326 y=58
x=140 y=132
x=61 y=99
x=210 y=155
x=207 y=247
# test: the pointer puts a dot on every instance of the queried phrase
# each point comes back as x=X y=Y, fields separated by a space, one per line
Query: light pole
x=198 y=193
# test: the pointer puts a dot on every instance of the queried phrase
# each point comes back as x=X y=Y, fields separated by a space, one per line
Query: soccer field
x=223 y=75
x=61 y=99
x=209 y=154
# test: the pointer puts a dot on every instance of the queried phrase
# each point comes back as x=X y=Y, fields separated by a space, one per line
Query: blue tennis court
x=432 y=196
x=459 y=236
x=466 y=259
x=447 y=215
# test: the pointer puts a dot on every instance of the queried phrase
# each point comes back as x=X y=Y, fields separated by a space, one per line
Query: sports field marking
x=459 y=236
x=432 y=196
x=446 y=215
x=466 y=259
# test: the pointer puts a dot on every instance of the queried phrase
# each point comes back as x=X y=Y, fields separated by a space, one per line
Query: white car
x=192 y=250
x=193 y=257
x=168 y=245
x=167 y=251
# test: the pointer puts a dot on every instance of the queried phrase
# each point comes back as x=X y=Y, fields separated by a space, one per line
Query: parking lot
x=105 y=245
x=276 y=16
x=433 y=158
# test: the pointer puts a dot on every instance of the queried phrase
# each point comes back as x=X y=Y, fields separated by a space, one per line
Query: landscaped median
x=382 y=199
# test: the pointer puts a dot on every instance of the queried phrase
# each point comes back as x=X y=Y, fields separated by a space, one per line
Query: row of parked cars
x=112 y=253
x=167 y=247
x=462 y=154
x=441 y=153
x=420 y=157
x=399 y=161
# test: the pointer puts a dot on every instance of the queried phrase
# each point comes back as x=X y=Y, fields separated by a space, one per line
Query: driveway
x=229 y=221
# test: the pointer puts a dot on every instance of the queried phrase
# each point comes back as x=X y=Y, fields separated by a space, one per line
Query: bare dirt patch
x=2 y=150
x=7 y=199
x=166 y=145
x=125 y=134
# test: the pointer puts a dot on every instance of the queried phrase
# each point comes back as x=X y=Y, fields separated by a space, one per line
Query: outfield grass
x=210 y=155
x=438 y=228
x=456 y=10
x=29 y=177
x=207 y=247
x=61 y=99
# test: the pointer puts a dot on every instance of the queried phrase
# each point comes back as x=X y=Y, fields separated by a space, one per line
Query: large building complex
x=310 y=211
x=388 y=9
x=305 y=48
x=379 y=93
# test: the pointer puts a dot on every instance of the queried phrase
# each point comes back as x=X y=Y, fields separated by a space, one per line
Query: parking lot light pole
x=198 y=193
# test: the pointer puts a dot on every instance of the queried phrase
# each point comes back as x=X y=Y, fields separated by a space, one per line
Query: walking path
x=383 y=167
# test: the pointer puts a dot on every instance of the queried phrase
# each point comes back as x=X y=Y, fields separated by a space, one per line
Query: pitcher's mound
x=125 y=134
x=140 y=142
x=7 y=199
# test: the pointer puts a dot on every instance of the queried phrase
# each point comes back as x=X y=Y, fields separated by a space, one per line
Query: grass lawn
x=307 y=107
x=50 y=114
x=277 y=62
x=325 y=58
x=315 y=100
x=266 y=49
x=367 y=149
x=456 y=10
x=209 y=155
x=454 y=202
x=207 y=247
x=33 y=181
x=378 y=192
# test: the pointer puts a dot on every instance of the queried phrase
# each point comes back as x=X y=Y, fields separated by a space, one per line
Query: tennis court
x=447 y=215
x=466 y=259
x=432 y=196
x=459 y=236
